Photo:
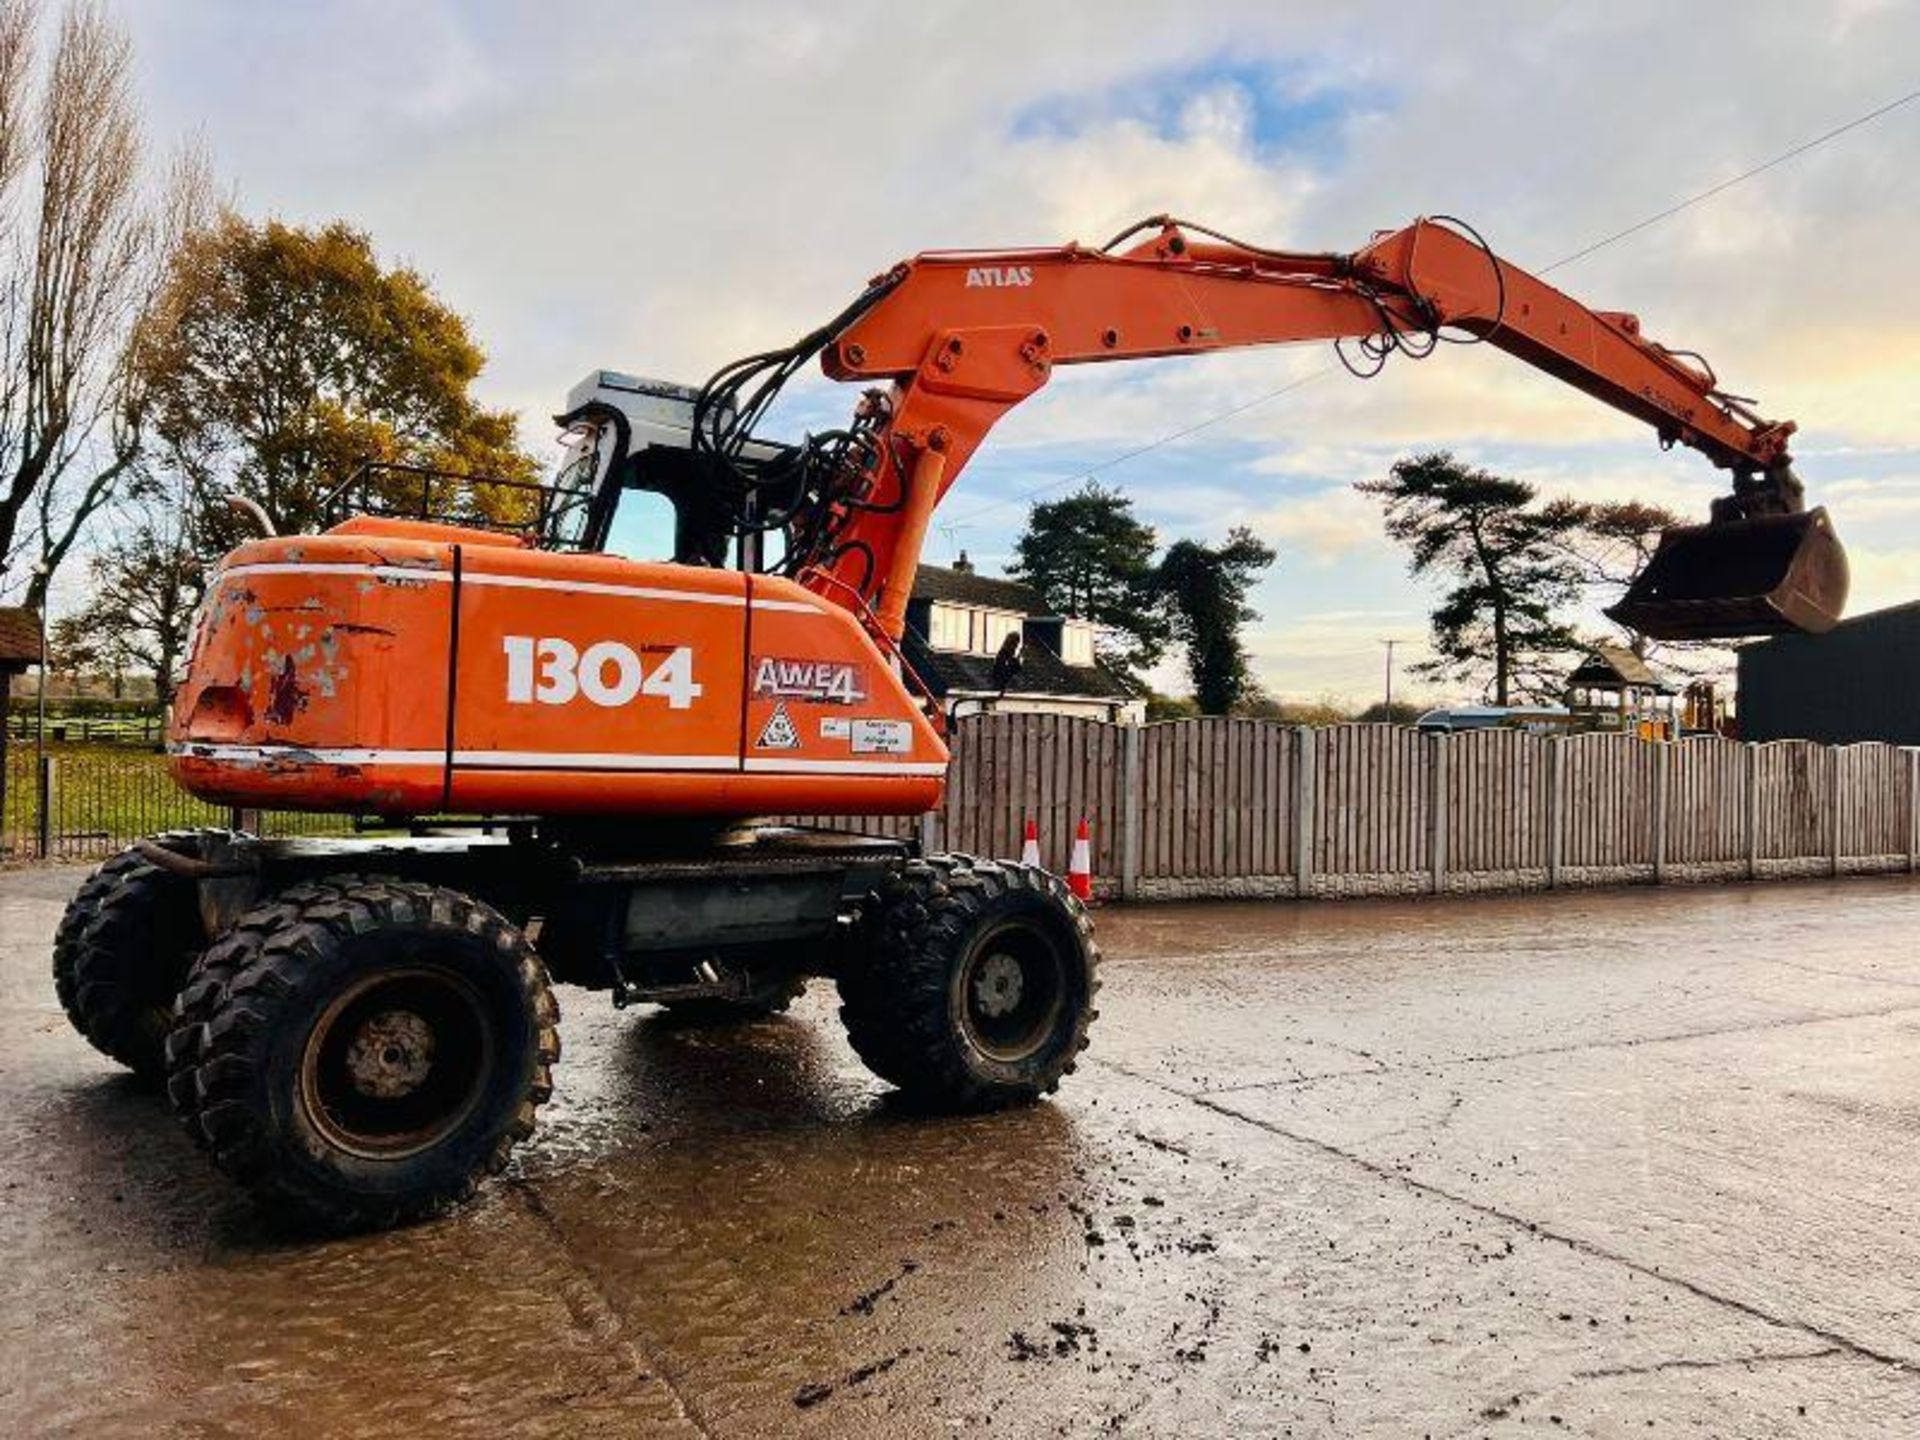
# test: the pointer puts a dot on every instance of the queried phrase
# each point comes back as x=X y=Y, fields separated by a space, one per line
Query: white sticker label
x=882 y=737
x=836 y=729
x=779 y=732
x=825 y=682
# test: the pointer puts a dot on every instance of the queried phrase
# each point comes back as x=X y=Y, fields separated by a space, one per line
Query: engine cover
x=397 y=668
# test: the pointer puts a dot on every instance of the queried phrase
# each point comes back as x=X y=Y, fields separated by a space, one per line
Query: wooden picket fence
x=1250 y=807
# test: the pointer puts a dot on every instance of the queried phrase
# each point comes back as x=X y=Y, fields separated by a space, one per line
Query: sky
x=659 y=188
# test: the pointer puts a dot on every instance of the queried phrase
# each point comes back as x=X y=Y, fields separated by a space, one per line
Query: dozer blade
x=1766 y=576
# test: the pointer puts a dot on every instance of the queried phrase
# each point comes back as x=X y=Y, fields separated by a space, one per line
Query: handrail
x=358 y=494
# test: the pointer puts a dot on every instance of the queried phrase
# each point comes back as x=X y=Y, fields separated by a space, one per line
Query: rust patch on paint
x=285 y=697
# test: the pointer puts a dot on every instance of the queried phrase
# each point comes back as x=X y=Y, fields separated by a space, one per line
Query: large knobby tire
x=768 y=998
x=978 y=989
x=206 y=986
x=123 y=948
x=361 y=1051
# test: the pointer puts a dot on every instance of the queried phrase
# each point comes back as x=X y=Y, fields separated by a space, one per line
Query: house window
x=994 y=630
x=1076 y=643
x=950 y=628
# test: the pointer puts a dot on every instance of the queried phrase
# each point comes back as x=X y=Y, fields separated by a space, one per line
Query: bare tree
x=85 y=235
x=1611 y=542
x=146 y=583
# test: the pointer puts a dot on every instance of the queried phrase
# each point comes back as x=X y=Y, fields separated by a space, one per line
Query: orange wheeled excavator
x=567 y=746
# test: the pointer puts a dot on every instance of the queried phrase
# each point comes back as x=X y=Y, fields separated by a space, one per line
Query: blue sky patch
x=1289 y=111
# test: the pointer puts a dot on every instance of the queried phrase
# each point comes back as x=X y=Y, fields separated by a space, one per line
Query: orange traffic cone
x=1030 y=847
x=1080 y=867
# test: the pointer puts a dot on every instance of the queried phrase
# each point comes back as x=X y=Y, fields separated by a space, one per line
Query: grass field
x=105 y=795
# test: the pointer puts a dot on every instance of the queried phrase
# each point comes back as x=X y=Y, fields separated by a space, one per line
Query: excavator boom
x=962 y=337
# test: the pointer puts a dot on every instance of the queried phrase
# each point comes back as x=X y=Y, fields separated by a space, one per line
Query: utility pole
x=1389 y=644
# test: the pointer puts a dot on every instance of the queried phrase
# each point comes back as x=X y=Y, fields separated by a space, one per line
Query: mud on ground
x=1607 y=1164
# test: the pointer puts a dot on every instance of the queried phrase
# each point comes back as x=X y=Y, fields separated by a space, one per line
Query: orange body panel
x=400 y=670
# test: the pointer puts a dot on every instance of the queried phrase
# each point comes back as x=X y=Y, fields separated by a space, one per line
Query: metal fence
x=88 y=803
x=1251 y=807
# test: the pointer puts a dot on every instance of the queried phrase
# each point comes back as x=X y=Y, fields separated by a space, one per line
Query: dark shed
x=19 y=639
x=19 y=647
x=1859 y=681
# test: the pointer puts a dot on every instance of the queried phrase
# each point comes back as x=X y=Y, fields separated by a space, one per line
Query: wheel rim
x=1013 y=990
x=396 y=1062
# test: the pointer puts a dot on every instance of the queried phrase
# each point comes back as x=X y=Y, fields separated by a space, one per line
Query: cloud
x=660 y=188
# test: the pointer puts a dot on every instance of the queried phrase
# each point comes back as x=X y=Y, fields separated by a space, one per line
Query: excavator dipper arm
x=962 y=337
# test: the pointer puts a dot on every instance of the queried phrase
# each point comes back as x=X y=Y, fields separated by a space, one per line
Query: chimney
x=963 y=566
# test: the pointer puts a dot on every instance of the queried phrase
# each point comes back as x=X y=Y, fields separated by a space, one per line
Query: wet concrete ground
x=1606 y=1164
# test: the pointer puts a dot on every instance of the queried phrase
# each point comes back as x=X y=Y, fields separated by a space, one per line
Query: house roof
x=19 y=636
x=1615 y=665
x=1041 y=673
x=963 y=587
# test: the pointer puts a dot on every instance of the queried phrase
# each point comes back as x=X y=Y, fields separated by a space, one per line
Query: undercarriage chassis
x=694 y=912
x=360 y=1030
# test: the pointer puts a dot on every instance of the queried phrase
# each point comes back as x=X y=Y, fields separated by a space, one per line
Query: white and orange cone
x=1080 y=867
x=1030 y=847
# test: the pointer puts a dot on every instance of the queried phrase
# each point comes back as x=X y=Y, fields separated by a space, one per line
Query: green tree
x=1090 y=558
x=282 y=357
x=1204 y=588
x=1170 y=707
x=1400 y=712
x=1509 y=563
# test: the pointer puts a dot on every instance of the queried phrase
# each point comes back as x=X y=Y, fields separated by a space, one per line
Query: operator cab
x=625 y=432
x=619 y=432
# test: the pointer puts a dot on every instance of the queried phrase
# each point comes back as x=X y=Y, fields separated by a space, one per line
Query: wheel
x=768 y=998
x=978 y=989
x=124 y=945
x=200 y=996
x=360 y=1051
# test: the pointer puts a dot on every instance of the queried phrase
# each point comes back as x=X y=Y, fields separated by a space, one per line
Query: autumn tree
x=1510 y=569
x=146 y=582
x=1204 y=589
x=87 y=229
x=1090 y=558
x=283 y=357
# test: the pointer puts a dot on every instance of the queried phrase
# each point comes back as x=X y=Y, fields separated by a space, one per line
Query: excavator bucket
x=1770 y=575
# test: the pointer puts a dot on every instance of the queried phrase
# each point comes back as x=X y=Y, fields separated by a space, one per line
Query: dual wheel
x=358 y=1051
x=361 y=1051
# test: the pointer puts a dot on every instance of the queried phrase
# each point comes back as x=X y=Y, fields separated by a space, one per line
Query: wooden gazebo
x=1615 y=689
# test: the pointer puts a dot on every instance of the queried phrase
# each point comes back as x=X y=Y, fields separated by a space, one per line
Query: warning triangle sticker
x=779 y=732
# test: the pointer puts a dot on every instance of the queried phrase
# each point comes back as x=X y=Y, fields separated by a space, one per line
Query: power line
x=1687 y=204
x=1745 y=175
x=1150 y=446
